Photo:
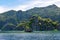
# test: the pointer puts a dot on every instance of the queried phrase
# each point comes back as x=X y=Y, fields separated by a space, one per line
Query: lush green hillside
x=30 y=20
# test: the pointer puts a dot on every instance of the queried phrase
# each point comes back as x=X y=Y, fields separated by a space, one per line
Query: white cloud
x=31 y=4
x=3 y=9
x=36 y=3
x=20 y=7
x=57 y=3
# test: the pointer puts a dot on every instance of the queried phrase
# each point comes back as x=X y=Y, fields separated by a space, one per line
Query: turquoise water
x=30 y=36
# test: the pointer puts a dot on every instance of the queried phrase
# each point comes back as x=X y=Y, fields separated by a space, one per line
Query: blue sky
x=6 y=5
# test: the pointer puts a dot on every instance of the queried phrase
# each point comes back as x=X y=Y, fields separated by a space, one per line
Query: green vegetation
x=36 y=19
x=35 y=23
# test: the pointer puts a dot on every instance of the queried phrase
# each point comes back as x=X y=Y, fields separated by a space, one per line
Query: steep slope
x=16 y=17
x=51 y=11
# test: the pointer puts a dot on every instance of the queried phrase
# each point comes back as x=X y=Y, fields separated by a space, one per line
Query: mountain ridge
x=53 y=5
x=20 y=17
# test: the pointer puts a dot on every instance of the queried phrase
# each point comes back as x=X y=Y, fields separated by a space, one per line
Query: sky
x=24 y=5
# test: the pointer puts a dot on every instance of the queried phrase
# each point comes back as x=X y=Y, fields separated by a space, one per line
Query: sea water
x=29 y=36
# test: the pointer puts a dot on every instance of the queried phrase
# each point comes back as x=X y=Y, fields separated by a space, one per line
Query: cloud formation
x=37 y=3
x=2 y=9
x=30 y=4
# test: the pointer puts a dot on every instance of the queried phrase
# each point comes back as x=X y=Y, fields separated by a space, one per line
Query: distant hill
x=16 y=17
